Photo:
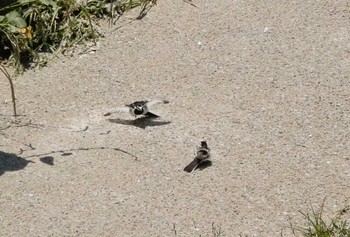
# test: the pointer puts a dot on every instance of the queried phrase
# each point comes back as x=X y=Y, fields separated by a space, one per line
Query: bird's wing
x=151 y=103
x=203 y=155
x=124 y=109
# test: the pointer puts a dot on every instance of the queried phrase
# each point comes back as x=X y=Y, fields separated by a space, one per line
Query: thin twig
x=4 y=71
x=30 y=146
x=190 y=2
x=174 y=229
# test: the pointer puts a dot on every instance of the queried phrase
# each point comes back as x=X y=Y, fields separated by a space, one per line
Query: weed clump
x=30 y=27
x=317 y=226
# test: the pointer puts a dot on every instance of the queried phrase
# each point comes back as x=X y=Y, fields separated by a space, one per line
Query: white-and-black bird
x=139 y=108
x=203 y=154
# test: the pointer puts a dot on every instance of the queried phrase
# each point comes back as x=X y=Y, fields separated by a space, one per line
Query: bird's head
x=138 y=110
x=138 y=107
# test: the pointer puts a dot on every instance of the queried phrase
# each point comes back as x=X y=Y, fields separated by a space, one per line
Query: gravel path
x=265 y=83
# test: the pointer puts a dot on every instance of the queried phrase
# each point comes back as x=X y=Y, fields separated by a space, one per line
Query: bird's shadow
x=12 y=162
x=141 y=122
x=204 y=165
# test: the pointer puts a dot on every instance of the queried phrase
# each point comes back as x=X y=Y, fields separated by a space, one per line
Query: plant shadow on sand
x=141 y=122
x=11 y=162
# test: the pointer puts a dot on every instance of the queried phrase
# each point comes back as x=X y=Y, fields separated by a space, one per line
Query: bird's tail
x=192 y=166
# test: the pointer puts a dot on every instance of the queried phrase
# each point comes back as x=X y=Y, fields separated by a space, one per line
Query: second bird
x=203 y=154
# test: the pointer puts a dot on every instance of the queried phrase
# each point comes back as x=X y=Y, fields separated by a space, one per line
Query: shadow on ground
x=47 y=160
x=204 y=165
x=11 y=162
x=142 y=122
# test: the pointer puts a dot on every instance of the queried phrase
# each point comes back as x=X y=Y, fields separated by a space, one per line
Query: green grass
x=317 y=226
x=216 y=230
x=30 y=28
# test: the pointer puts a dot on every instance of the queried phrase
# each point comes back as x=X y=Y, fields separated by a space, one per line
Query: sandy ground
x=266 y=83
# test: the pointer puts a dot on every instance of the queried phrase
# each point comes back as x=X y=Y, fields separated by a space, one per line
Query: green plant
x=316 y=226
x=216 y=231
x=29 y=27
x=11 y=24
x=36 y=26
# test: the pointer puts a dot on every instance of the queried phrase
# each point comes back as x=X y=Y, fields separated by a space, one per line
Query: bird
x=203 y=154
x=139 y=108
